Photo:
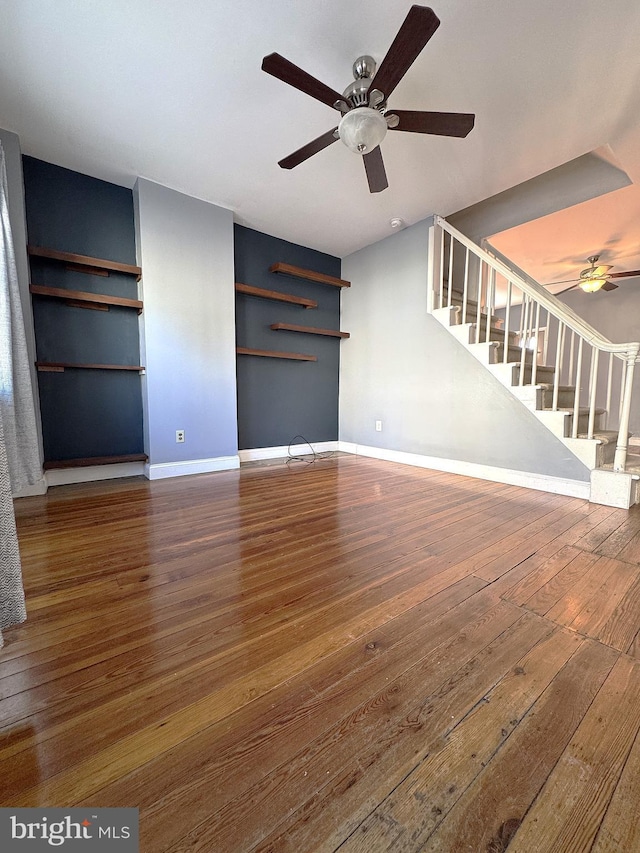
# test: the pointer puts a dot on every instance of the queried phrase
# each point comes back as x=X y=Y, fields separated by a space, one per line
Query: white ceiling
x=172 y=90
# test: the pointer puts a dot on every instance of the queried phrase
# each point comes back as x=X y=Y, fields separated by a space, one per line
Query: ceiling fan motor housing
x=357 y=92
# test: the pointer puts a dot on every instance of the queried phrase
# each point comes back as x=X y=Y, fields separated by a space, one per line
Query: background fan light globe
x=591 y=285
x=362 y=129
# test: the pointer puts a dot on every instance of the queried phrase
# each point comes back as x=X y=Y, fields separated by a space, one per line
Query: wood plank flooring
x=351 y=655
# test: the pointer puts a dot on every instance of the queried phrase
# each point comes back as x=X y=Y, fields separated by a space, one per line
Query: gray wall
x=279 y=399
x=433 y=397
x=588 y=176
x=185 y=248
x=85 y=413
x=13 y=157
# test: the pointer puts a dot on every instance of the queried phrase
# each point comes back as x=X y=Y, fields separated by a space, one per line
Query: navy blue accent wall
x=279 y=399
x=85 y=413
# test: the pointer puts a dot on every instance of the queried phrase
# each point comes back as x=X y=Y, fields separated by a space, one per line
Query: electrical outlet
x=378 y=426
x=180 y=436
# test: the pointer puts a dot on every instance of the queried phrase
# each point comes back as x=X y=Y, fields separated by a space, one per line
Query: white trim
x=67 y=476
x=162 y=470
x=540 y=482
x=39 y=488
x=282 y=451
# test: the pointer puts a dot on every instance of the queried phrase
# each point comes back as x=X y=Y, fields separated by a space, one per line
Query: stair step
x=466 y=333
x=629 y=468
x=456 y=299
x=495 y=333
x=607 y=449
x=561 y=420
x=566 y=396
x=514 y=354
x=543 y=372
x=604 y=436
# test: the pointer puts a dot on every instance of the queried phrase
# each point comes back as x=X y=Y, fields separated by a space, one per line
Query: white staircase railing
x=478 y=282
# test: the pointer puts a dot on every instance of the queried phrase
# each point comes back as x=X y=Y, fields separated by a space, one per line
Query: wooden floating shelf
x=310 y=330
x=61 y=366
x=94 y=460
x=265 y=353
x=79 y=297
x=310 y=275
x=250 y=290
x=90 y=264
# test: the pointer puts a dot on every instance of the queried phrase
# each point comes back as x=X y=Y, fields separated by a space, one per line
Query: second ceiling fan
x=595 y=278
x=363 y=104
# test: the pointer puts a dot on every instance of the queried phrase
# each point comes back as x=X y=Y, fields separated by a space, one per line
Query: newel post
x=620 y=459
x=434 y=265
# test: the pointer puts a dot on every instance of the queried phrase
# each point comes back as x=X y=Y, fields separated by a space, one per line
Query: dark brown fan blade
x=374 y=167
x=609 y=286
x=627 y=274
x=286 y=71
x=440 y=124
x=418 y=27
x=566 y=290
x=308 y=150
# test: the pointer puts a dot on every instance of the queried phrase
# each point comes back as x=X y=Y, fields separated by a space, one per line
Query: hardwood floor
x=352 y=655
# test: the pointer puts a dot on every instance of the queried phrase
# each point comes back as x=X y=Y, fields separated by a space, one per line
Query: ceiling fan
x=595 y=278
x=363 y=104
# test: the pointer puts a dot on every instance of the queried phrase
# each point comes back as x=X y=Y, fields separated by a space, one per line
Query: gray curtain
x=12 y=607
x=19 y=457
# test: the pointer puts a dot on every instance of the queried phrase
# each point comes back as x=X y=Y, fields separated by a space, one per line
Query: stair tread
x=606 y=436
x=583 y=410
x=633 y=468
x=539 y=367
x=549 y=386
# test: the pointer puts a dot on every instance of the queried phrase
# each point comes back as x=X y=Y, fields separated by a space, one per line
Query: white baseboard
x=282 y=452
x=67 y=476
x=540 y=482
x=162 y=470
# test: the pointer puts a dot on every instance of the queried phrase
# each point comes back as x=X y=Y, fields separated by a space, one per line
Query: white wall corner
x=163 y=470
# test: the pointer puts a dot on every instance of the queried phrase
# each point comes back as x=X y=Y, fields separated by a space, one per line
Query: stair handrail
x=551 y=303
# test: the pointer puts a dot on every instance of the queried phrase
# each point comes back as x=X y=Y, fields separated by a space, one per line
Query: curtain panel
x=19 y=456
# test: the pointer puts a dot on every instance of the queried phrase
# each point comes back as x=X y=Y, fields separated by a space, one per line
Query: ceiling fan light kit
x=591 y=285
x=361 y=129
x=595 y=278
x=363 y=104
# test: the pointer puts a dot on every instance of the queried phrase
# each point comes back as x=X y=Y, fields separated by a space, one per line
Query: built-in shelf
x=94 y=460
x=250 y=290
x=309 y=275
x=61 y=366
x=84 y=263
x=265 y=353
x=84 y=299
x=309 y=330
